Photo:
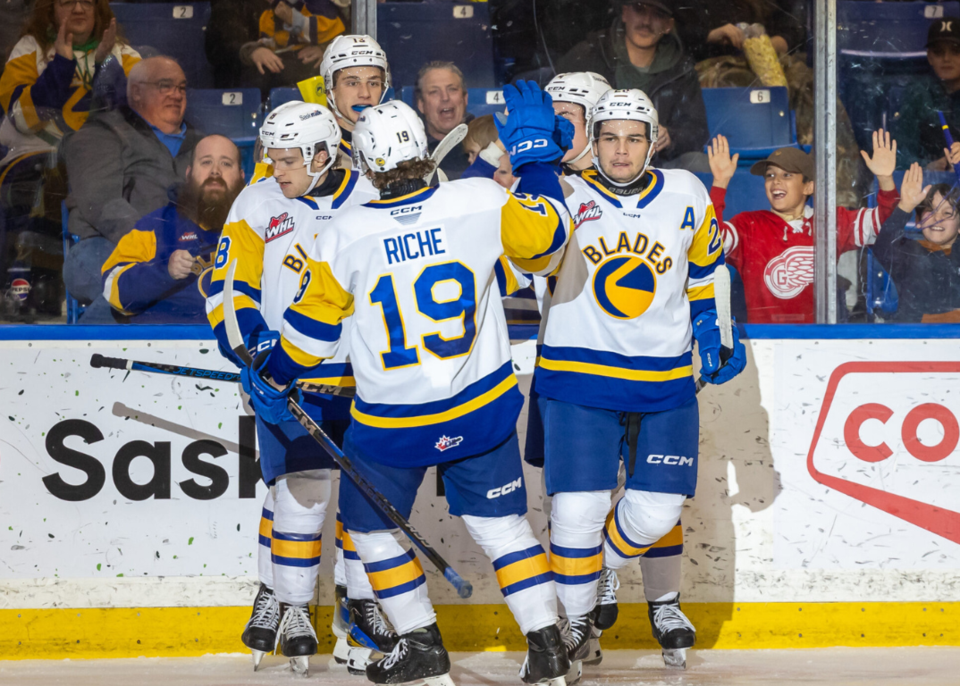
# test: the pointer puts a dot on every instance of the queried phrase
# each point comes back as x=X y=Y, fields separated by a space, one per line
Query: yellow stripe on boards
x=615 y=372
x=190 y=631
x=428 y=419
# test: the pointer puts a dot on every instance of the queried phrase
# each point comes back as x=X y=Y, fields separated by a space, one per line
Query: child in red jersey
x=773 y=249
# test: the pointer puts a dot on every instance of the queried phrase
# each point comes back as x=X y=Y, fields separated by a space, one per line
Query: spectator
x=268 y=44
x=68 y=50
x=504 y=174
x=773 y=249
x=442 y=101
x=152 y=274
x=121 y=164
x=641 y=50
x=784 y=22
x=918 y=126
x=926 y=272
x=481 y=132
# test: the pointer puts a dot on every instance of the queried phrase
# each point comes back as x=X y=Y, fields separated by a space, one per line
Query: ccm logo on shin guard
x=670 y=459
x=504 y=490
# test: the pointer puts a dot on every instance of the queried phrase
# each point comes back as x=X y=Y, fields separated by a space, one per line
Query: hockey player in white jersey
x=414 y=272
x=356 y=75
x=269 y=231
x=634 y=292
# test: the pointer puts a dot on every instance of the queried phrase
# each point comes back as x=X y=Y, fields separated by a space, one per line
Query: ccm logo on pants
x=503 y=490
x=670 y=459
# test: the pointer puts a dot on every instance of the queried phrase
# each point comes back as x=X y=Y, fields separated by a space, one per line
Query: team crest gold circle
x=381 y=162
x=624 y=286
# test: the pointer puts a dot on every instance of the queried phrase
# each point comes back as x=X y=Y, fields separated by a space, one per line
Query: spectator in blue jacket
x=152 y=275
x=925 y=270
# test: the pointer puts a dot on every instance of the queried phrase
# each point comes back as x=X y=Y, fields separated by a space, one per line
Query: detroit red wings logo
x=787 y=274
x=278 y=226
x=588 y=212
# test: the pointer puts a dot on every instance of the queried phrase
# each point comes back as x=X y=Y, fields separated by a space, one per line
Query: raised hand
x=265 y=58
x=912 y=190
x=884 y=159
x=722 y=166
x=107 y=42
x=63 y=46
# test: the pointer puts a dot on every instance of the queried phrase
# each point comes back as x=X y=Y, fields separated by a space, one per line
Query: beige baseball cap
x=789 y=159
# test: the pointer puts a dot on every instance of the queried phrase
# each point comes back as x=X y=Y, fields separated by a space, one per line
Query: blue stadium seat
x=232 y=113
x=480 y=101
x=176 y=30
x=414 y=33
x=756 y=121
x=896 y=30
x=281 y=96
x=744 y=194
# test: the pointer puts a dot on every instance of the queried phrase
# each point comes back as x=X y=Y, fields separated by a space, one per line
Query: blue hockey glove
x=706 y=331
x=528 y=132
x=733 y=365
x=717 y=364
x=563 y=133
x=268 y=402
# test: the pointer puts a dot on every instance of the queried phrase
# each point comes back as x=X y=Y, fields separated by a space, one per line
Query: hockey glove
x=528 y=132
x=717 y=364
x=733 y=365
x=563 y=133
x=269 y=402
x=261 y=339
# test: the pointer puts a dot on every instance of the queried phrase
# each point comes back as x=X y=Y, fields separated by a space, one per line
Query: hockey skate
x=604 y=614
x=260 y=634
x=419 y=656
x=673 y=631
x=370 y=636
x=296 y=637
x=340 y=625
x=576 y=637
x=546 y=661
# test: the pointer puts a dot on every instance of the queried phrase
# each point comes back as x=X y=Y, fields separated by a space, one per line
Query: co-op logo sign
x=887 y=435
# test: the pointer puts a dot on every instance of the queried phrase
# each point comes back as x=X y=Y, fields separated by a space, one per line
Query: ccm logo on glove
x=529 y=145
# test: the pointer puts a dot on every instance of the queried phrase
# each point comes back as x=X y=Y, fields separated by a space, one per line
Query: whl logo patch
x=445 y=443
x=588 y=212
x=278 y=226
x=189 y=236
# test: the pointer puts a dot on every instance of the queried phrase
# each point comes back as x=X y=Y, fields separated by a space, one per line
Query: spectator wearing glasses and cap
x=121 y=164
x=642 y=50
x=917 y=125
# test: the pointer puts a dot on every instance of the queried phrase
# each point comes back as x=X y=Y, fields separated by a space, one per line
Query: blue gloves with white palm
x=717 y=363
x=531 y=131
x=268 y=401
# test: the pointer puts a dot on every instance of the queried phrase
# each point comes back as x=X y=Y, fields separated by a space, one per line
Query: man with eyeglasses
x=120 y=165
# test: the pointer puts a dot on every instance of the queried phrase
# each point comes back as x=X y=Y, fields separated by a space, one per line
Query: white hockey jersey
x=270 y=236
x=429 y=344
x=618 y=333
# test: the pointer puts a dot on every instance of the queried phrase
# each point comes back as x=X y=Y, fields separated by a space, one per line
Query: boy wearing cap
x=917 y=125
x=773 y=249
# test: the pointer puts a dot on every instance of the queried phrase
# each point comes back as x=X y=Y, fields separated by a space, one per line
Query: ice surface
x=833 y=666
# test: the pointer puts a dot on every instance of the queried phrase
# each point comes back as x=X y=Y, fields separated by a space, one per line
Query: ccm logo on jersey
x=407 y=215
x=504 y=490
x=670 y=459
x=445 y=443
x=587 y=213
x=278 y=226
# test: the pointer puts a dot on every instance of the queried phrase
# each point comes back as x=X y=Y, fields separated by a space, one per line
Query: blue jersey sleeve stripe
x=313 y=328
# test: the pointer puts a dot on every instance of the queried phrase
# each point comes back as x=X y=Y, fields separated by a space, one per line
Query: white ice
x=833 y=667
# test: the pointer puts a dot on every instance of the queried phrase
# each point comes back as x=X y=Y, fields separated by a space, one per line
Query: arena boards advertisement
x=829 y=472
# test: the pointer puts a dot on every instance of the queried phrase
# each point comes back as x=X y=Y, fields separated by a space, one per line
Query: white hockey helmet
x=301 y=125
x=352 y=51
x=387 y=135
x=582 y=88
x=629 y=104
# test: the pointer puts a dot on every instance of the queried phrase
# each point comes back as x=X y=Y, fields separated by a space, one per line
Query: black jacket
x=927 y=281
x=676 y=91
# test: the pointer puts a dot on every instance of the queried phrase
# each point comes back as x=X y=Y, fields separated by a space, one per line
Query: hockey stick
x=721 y=296
x=464 y=588
x=98 y=361
x=949 y=138
x=449 y=142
